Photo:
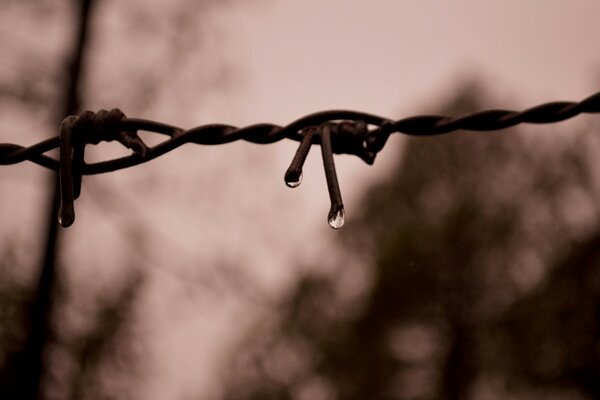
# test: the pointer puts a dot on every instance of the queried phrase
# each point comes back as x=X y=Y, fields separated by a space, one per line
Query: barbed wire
x=337 y=131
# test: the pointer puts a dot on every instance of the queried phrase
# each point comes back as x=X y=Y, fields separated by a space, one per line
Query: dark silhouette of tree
x=105 y=349
x=27 y=370
x=553 y=332
x=465 y=226
x=40 y=330
x=107 y=362
x=32 y=319
x=14 y=300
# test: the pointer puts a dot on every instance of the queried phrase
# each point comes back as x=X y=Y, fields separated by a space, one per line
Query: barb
x=337 y=131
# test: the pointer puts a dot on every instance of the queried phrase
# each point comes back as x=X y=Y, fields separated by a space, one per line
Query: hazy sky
x=388 y=56
x=287 y=59
x=392 y=58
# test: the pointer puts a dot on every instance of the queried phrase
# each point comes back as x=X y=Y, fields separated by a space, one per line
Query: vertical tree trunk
x=40 y=327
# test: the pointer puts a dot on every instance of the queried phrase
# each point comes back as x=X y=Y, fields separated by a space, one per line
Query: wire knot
x=75 y=133
x=337 y=131
x=346 y=137
x=349 y=137
x=377 y=138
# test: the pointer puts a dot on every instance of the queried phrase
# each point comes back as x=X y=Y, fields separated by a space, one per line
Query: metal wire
x=349 y=132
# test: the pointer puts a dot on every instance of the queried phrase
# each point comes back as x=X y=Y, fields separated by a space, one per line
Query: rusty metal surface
x=337 y=131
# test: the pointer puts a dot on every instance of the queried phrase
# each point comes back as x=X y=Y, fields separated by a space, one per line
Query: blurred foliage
x=92 y=347
x=552 y=333
x=107 y=359
x=471 y=272
x=14 y=302
x=93 y=351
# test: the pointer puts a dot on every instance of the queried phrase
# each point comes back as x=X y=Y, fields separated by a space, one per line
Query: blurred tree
x=552 y=333
x=40 y=356
x=104 y=348
x=30 y=368
x=106 y=355
x=465 y=226
x=14 y=301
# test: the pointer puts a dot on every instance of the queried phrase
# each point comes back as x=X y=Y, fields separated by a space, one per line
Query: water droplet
x=66 y=217
x=293 y=181
x=336 y=219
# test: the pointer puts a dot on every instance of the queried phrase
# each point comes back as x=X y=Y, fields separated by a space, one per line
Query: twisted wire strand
x=266 y=133
x=337 y=131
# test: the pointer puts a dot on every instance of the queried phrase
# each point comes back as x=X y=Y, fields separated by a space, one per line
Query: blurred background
x=469 y=265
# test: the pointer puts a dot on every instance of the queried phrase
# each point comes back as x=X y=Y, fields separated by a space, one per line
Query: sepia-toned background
x=468 y=267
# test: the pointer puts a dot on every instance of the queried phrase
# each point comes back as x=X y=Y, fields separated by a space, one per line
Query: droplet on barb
x=336 y=219
x=66 y=216
x=293 y=179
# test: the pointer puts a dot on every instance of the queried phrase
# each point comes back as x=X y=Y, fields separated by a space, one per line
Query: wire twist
x=337 y=131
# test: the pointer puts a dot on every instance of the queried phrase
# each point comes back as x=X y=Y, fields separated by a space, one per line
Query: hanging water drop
x=336 y=219
x=293 y=180
x=66 y=216
x=65 y=221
